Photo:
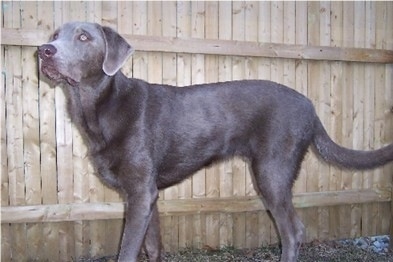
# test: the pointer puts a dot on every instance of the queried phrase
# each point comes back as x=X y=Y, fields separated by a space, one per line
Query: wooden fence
x=339 y=54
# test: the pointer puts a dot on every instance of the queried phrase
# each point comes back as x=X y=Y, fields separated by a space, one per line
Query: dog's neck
x=83 y=102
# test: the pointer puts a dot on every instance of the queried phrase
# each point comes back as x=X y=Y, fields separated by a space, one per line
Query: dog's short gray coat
x=144 y=137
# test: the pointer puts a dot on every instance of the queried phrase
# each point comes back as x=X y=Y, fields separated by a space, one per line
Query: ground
x=327 y=251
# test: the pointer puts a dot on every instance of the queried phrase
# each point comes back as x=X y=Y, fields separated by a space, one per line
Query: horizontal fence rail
x=101 y=211
x=26 y=37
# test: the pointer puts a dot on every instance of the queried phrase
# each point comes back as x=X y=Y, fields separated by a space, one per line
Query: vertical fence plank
x=198 y=77
x=74 y=165
x=301 y=85
x=294 y=72
x=54 y=232
x=251 y=72
x=324 y=109
x=14 y=126
x=183 y=72
x=369 y=92
x=96 y=232
x=267 y=232
x=169 y=77
x=314 y=80
x=294 y=75
x=300 y=81
x=225 y=74
x=31 y=140
x=64 y=152
x=239 y=167
x=111 y=16
x=336 y=75
x=140 y=27
x=49 y=249
x=386 y=210
x=383 y=105
x=155 y=75
x=347 y=111
x=212 y=172
x=5 y=228
x=361 y=114
x=387 y=222
x=6 y=244
x=358 y=105
x=369 y=88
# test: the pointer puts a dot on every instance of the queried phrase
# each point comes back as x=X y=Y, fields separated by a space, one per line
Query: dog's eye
x=55 y=36
x=83 y=37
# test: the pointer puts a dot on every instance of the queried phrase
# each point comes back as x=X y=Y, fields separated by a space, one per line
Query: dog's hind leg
x=274 y=180
x=153 y=237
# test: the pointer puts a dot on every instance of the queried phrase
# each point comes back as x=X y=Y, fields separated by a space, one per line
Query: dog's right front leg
x=139 y=211
x=153 y=237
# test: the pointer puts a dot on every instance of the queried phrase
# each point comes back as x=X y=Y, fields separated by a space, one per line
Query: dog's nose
x=46 y=51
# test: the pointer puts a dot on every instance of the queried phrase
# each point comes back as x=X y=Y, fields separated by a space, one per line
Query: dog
x=144 y=137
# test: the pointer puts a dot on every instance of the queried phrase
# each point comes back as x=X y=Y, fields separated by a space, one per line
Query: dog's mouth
x=50 y=71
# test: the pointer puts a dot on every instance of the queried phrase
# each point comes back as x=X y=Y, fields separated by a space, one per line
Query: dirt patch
x=328 y=251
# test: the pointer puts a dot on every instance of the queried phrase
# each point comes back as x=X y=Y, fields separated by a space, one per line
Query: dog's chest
x=107 y=168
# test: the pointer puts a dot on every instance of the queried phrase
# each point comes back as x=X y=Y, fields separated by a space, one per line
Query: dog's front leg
x=153 y=237
x=139 y=211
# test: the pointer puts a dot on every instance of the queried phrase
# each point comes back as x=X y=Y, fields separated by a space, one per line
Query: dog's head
x=78 y=51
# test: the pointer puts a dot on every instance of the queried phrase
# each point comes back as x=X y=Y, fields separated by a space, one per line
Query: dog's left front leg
x=140 y=204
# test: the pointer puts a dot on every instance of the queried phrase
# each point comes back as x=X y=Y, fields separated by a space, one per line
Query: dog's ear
x=117 y=51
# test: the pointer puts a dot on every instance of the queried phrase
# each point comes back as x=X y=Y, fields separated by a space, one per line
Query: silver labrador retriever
x=144 y=137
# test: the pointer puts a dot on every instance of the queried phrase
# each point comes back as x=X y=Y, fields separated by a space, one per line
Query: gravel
x=364 y=249
x=377 y=244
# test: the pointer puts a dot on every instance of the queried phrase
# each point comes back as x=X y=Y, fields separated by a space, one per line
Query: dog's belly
x=180 y=172
x=187 y=157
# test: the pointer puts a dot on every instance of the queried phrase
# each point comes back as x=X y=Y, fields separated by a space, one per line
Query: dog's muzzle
x=46 y=53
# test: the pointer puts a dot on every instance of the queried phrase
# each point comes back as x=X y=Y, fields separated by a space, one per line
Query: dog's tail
x=348 y=158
